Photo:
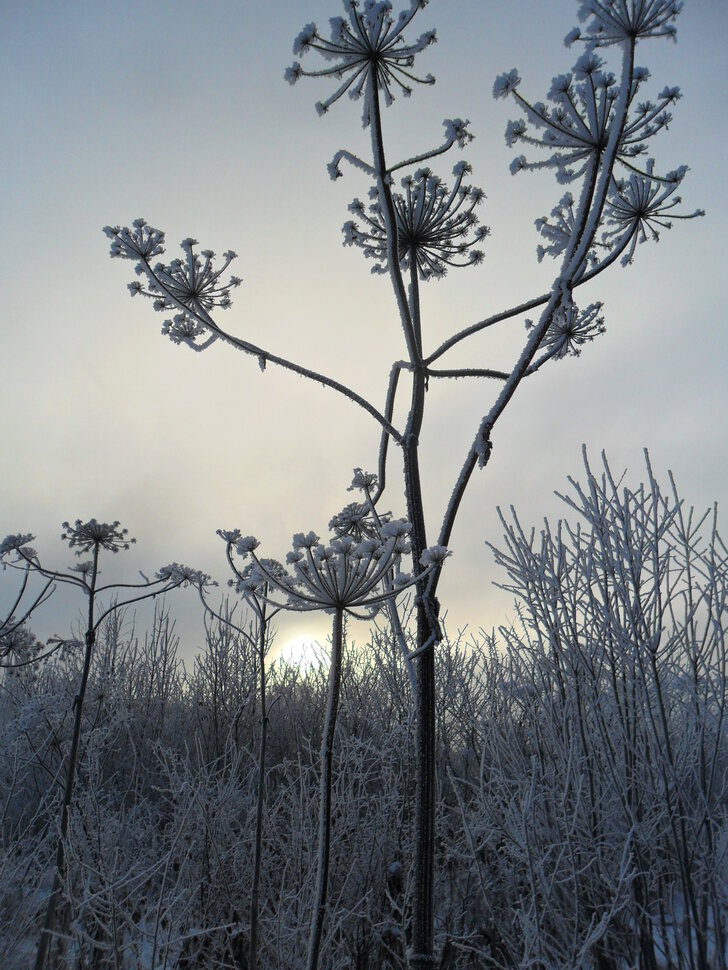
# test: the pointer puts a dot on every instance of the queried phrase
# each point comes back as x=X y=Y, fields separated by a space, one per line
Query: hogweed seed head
x=616 y=21
x=435 y=555
x=193 y=285
x=367 y=46
x=571 y=328
x=253 y=582
x=355 y=520
x=16 y=543
x=558 y=229
x=18 y=646
x=96 y=535
x=140 y=242
x=180 y=575
x=182 y=329
x=637 y=209
x=436 y=227
x=574 y=128
x=363 y=481
x=346 y=574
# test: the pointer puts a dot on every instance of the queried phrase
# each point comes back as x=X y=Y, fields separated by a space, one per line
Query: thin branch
x=425 y=156
x=469 y=372
x=265 y=356
x=483 y=324
x=384 y=441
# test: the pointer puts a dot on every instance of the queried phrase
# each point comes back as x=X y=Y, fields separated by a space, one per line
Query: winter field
x=582 y=764
x=508 y=749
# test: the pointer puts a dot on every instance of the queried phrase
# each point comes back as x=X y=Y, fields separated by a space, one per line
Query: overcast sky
x=178 y=112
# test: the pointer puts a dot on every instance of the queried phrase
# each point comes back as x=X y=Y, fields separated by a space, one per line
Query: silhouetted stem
x=255 y=892
x=327 y=752
x=47 y=930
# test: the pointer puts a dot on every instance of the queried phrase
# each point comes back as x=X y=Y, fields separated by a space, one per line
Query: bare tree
x=593 y=133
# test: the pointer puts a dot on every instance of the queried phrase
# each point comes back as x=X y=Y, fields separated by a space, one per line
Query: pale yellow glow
x=300 y=651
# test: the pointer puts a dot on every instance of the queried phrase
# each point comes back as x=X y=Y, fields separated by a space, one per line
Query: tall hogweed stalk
x=102 y=600
x=594 y=132
x=353 y=574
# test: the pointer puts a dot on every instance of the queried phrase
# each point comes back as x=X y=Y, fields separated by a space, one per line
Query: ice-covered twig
x=456 y=133
x=345 y=156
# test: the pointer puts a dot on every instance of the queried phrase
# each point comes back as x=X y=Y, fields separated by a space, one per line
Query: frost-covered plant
x=594 y=132
x=433 y=223
x=345 y=576
x=368 y=46
x=570 y=329
x=621 y=654
x=18 y=645
x=90 y=537
x=596 y=126
x=254 y=589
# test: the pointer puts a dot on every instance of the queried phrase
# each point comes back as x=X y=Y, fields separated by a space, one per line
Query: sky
x=178 y=112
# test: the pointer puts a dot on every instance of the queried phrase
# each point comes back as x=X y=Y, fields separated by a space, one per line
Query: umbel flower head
x=192 y=285
x=253 y=583
x=639 y=208
x=85 y=536
x=575 y=128
x=571 y=328
x=356 y=520
x=614 y=21
x=17 y=543
x=344 y=575
x=366 y=46
x=436 y=227
x=181 y=575
x=19 y=645
x=558 y=229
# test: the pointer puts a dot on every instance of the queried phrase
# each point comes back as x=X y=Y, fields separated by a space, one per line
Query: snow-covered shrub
x=602 y=805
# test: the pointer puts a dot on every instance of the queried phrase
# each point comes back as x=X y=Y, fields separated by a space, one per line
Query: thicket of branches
x=582 y=757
